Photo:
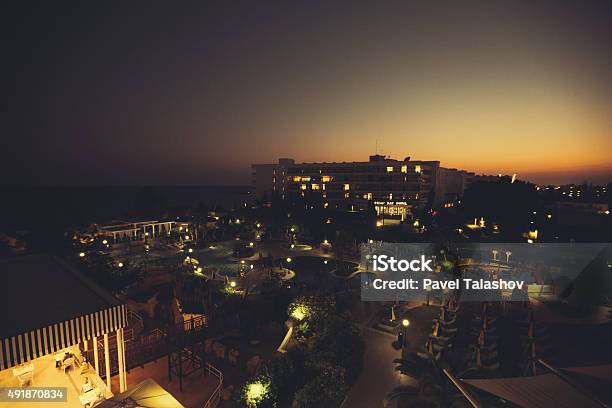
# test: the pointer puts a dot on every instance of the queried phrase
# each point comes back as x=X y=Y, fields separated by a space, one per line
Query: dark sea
x=45 y=213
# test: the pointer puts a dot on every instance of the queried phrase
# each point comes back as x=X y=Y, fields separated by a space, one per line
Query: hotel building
x=392 y=187
x=270 y=179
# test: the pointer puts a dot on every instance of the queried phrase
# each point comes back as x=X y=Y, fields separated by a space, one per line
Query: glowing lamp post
x=405 y=324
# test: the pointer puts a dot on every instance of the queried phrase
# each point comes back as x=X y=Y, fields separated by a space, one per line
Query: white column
x=120 y=360
x=96 y=359
x=107 y=361
x=125 y=384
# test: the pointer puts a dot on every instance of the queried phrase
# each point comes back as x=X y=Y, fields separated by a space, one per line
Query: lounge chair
x=67 y=363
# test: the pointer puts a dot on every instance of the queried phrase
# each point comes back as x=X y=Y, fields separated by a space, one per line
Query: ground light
x=256 y=392
x=288 y=259
x=120 y=264
x=82 y=254
x=233 y=284
x=405 y=322
x=300 y=312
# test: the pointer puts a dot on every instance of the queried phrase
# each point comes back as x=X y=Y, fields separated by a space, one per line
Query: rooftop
x=41 y=290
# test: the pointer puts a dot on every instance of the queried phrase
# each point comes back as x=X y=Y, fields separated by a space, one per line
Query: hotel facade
x=394 y=188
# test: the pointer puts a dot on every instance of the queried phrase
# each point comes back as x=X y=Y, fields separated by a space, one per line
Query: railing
x=135 y=316
x=152 y=346
x=154 y=336
x=128 y=335
x=215 y=398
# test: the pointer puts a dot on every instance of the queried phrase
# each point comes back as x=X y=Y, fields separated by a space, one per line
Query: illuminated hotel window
x=346 y=195
x=326 y=179
x=303 y=186
x=404 y=169
x=315 y=186
x=367 y=196
x=297 y=178
x=325 y=205
x=417 y=168
x=347 y=187
x=323 y=186
x=390 y=196
x=389 y=169
x=305 y=178
x=324 y=195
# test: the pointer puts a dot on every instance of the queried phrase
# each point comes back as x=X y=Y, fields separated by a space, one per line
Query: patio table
x=24 y=369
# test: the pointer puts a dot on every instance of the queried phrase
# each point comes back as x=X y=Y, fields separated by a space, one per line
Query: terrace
x=75 y=380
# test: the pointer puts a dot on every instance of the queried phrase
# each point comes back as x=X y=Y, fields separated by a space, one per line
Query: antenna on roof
x=376 y=149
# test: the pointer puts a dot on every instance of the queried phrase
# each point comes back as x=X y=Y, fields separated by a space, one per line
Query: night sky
x=192 y=93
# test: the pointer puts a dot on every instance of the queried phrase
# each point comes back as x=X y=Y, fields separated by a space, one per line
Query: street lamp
x=405 y=324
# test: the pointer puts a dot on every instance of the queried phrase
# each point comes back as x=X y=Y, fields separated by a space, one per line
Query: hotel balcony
x=82 y=386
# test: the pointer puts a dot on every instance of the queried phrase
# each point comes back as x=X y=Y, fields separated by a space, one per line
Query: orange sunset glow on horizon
x=489 y=87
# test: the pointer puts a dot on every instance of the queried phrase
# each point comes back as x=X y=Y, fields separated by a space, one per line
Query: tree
x=286 y=374
x=340 y=339
x=325 y=390
x=509 y=204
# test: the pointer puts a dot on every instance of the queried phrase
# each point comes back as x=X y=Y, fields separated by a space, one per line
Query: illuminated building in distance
x=392 y=187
